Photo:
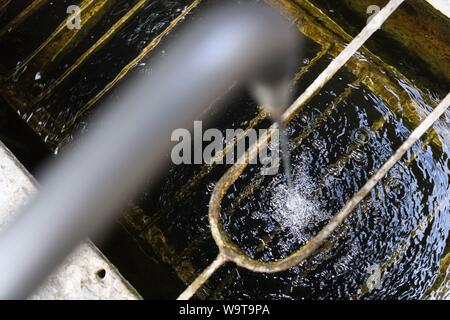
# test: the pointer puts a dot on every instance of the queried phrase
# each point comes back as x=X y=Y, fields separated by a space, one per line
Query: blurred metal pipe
x=83 y=191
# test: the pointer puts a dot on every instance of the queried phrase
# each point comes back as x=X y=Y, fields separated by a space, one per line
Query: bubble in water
x=304 y=118
x=396 y=188
x=359 y=156
x=361 y=136
x=210 y=187
x=319 y=144
x=294 y=201
x=335 y=171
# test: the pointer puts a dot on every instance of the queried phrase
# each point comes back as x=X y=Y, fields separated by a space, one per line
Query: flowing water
x=285 y=154
x=390 y=247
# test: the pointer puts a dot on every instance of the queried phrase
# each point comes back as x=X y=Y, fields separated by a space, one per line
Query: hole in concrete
x=101 y=274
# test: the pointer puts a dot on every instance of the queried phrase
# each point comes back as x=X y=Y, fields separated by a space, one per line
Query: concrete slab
x=86 y=273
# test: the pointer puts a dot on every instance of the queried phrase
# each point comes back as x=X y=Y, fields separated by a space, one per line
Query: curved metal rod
x=84 y=190
x=233 y=253
x=230 y=252
x=230 y=249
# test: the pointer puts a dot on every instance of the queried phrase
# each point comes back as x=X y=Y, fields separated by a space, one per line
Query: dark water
x=377 y=231
x=390 y=246
x=26 y=146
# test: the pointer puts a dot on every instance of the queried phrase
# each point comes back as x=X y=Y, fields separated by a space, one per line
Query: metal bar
x=203 y=277
x=103 y=39
x=323 y=51
x=343 y=57
x=333 y=34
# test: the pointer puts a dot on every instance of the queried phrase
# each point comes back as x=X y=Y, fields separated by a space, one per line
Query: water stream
x=285 y=154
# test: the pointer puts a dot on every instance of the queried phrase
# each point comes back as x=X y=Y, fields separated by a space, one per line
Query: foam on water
x=295 y=209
